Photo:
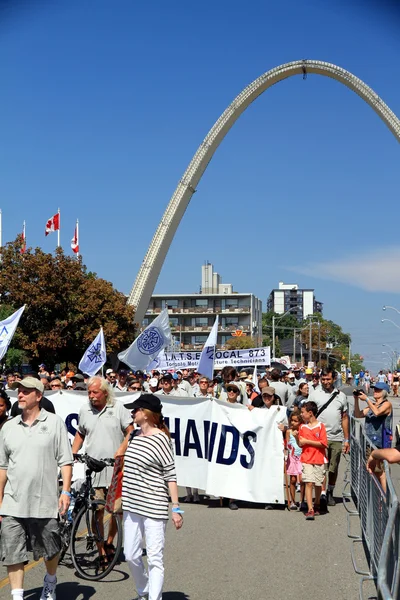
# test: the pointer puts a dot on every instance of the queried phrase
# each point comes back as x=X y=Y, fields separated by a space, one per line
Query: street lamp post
x=392 y=308
x=390 y=321
x=273 y=327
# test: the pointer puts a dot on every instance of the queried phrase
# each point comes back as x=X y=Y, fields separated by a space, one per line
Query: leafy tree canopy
x=65 y=306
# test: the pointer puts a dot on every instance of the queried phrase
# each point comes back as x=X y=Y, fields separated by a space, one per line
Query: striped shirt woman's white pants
x=135 y=527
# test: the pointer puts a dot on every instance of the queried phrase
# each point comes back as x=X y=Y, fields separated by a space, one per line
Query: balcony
x=207 y=328
x=203 y=310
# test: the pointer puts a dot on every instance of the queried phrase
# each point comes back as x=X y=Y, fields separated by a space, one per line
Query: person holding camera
x=377 y=414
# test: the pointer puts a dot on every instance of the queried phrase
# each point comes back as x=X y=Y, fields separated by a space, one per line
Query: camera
x=357 y=392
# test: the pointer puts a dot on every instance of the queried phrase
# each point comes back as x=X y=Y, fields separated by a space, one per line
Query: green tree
x=240 y=343
x=65 y=305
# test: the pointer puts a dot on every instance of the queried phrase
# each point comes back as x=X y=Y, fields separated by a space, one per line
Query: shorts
x=41 y=534
x=293 y=465
x=314 y=474
x=100 y=493
x=335 y=450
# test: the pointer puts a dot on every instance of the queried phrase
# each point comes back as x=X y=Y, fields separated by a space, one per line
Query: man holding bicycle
x=104 y=422
x=33 y=447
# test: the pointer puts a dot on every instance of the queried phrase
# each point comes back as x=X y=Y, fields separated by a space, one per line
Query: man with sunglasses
x=203 y=392
x=134 y=386
x=168 y=389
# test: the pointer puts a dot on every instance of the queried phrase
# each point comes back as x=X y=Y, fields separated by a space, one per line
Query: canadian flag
x=53 y=224
x=23 y=245
x=75 y=240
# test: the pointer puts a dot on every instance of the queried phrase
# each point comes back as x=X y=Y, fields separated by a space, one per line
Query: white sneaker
x=49 y=590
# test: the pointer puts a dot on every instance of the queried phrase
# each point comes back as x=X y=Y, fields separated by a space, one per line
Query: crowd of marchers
x=309 y=408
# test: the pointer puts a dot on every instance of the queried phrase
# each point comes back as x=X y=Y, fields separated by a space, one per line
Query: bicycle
x=86 y=535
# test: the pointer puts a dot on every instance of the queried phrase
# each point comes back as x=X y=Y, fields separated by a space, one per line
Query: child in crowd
x=313 y=441
x=293 y=464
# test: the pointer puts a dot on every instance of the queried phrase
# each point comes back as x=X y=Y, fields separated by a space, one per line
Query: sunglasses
x=229 y=389
x=55 y=385
x=268 y=396
x=135 y=410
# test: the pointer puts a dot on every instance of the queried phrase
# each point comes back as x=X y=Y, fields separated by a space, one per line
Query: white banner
x=221 y=448
x=190 y=360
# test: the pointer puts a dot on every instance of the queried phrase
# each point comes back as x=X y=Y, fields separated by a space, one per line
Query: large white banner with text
x=190 y=360
x=221 y=448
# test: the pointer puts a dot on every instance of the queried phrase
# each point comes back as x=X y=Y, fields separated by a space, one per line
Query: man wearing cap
x=120 y=385
x=167 y=387
x=44 y=403
x=333 y=413
x=33 y=448
x=78 y=382
x=153 y=385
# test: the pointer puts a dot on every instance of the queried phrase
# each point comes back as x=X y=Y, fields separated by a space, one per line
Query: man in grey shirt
x=103 y=425
x=335 y=417
x=33 y=447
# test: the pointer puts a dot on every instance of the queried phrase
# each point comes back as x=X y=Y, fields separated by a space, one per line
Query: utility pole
x=310 y=347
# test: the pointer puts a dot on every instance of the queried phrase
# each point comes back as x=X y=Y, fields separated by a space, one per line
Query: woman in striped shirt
x=149 y=475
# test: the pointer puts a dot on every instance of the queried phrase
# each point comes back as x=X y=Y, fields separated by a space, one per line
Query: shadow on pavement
x=174 y=596
x=65 y=591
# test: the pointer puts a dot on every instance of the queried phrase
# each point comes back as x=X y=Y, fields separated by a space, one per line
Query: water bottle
x=70 y=517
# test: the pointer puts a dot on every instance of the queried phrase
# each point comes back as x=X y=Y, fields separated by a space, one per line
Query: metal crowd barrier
x=377 y=506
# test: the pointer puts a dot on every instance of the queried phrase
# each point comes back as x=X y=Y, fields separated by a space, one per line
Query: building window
x=202 y=302
x=201 y=322
x=174 y=321
x=200 y=339
x=171 y=303
x=232 y=303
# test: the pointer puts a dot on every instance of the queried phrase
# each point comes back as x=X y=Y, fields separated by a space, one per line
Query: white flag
x=206 y=362
x=7 y=330
x=255 y=380
x=148 y=344
x=95 y=356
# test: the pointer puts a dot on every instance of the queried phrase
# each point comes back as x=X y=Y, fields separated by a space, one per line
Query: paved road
x=247 y=554
x=251 y=553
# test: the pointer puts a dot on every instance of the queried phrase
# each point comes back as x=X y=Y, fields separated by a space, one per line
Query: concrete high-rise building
x=192 y=315
x=300 y=302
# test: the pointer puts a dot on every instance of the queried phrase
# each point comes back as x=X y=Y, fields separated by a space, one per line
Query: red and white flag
x=23 y=245
x=75 y=240
x=53 y=224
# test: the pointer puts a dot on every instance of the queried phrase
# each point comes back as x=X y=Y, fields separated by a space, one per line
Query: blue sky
x=104 y=104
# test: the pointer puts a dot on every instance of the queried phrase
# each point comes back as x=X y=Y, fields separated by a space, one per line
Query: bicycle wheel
x=89 y=531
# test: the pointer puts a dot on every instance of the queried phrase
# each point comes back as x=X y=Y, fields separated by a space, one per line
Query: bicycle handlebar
x=84 y=458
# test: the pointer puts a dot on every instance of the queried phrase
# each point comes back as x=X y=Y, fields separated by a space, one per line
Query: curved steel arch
x=150 y=269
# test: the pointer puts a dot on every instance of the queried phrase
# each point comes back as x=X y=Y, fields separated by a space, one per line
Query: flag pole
x=1 y=232
x=24 y=232
x=59 y=228
x=77 y=237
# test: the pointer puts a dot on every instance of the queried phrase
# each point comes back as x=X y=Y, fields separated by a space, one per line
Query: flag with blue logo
x=206 y=362
x=95 y=356
x=7 y=330
x=148 y=344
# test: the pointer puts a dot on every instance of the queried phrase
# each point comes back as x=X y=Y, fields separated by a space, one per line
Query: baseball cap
x=123 y=372
x=149 y=401
x=109 y=371
x=78 y=377
x=30 y=383
x=70 y=374
x=268 y=390
x=381 y=385
x=249 y=381
x=309 y=371
x=153 y=382
x=166 y=377
x=42 y=366
x=291 y=375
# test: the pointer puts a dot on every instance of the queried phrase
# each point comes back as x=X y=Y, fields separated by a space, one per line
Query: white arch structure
x=150 y=269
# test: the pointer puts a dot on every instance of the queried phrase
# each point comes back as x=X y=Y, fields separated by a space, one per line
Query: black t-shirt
x=44 y=403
